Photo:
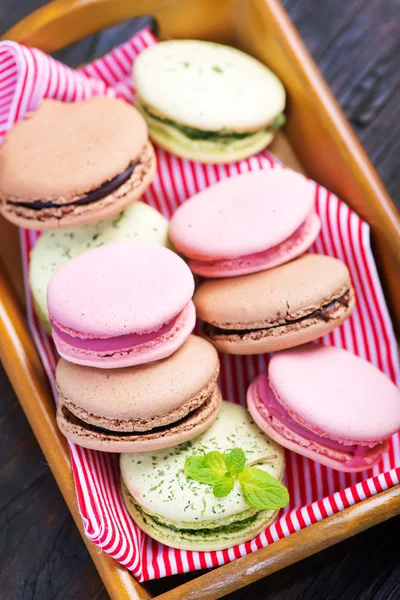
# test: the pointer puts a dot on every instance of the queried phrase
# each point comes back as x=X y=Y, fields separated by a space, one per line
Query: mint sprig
x=260 y=489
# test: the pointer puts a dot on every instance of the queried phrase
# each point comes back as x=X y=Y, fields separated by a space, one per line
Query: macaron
x=141 y=408
x=272 y=310
x=207 y=102
x=182 y=513
x=69 y=164
x=247 y=223
x=53 y=249
x=328 y=405
x=120 y=305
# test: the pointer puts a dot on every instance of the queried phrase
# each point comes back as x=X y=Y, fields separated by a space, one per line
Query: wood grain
x=41 y=554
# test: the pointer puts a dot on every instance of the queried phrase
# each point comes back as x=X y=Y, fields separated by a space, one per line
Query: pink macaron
x=328 y=405
x=120 y=305
x=248 y=223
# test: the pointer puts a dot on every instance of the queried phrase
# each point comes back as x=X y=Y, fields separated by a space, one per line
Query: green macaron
x=53 y=249
x=167 y=501
x=207 y=102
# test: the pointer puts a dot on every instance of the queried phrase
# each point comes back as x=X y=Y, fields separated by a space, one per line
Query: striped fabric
x=316 y=491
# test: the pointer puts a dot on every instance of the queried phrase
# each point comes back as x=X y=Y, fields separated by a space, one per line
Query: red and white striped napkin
x=26 y=76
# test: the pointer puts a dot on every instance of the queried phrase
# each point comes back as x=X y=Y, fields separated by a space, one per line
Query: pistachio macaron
x=183 y=513
x=207 y=102
x=69 y=164
x=53 y=249
x=272 y=310
x=142 y=408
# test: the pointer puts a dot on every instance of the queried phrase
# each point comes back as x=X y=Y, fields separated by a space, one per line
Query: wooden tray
x=318 y=141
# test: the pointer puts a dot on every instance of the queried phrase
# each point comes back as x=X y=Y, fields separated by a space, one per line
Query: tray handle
x=63 y=22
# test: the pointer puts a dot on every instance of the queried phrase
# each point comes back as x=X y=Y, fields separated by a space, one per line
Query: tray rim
x=26 y=373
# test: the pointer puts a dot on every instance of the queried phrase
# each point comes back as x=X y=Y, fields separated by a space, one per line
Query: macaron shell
x=295 y=288
x=245 y=214
x=207 y=86
x=139 y=222
x=333 y=391
x=104 y=208
x=122 y=288
x=294 y=447
x=194 y=425
x=142 y=392
x=43 y=147
x=156 y=349
x=286 y=251
x=283 y=337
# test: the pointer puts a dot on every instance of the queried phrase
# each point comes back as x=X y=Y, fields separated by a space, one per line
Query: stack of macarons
x=130 y=377
x=247 y=235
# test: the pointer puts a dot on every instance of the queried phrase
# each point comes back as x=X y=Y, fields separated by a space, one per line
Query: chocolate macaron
x=141 y=408
x=276 y=309
x=69 y=164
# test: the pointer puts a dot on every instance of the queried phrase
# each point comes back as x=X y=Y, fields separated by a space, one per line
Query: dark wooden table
x=42 y=557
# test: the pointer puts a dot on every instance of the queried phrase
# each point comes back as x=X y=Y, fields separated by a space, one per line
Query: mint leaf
x=195 y=469
x=235 y=461
x=216 y=461
x=192 y=465
x=223 y=486
x=209 y=468
x=261 y=490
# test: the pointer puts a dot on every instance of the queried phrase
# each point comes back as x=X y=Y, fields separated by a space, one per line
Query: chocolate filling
x=77 y=422
x=323 y=313
x=106 y=188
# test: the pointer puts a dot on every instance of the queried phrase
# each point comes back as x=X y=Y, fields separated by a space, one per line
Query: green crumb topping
x=118 y=219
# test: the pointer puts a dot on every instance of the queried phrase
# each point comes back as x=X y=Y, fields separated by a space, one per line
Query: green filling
x=231 y=528
x=198 y=134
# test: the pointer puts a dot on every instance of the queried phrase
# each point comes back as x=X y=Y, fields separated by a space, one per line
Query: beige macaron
x=67 y=165
x=147 y=407
x=276 y=309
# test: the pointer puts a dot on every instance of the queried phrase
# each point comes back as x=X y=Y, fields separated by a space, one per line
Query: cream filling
x=165 y=132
